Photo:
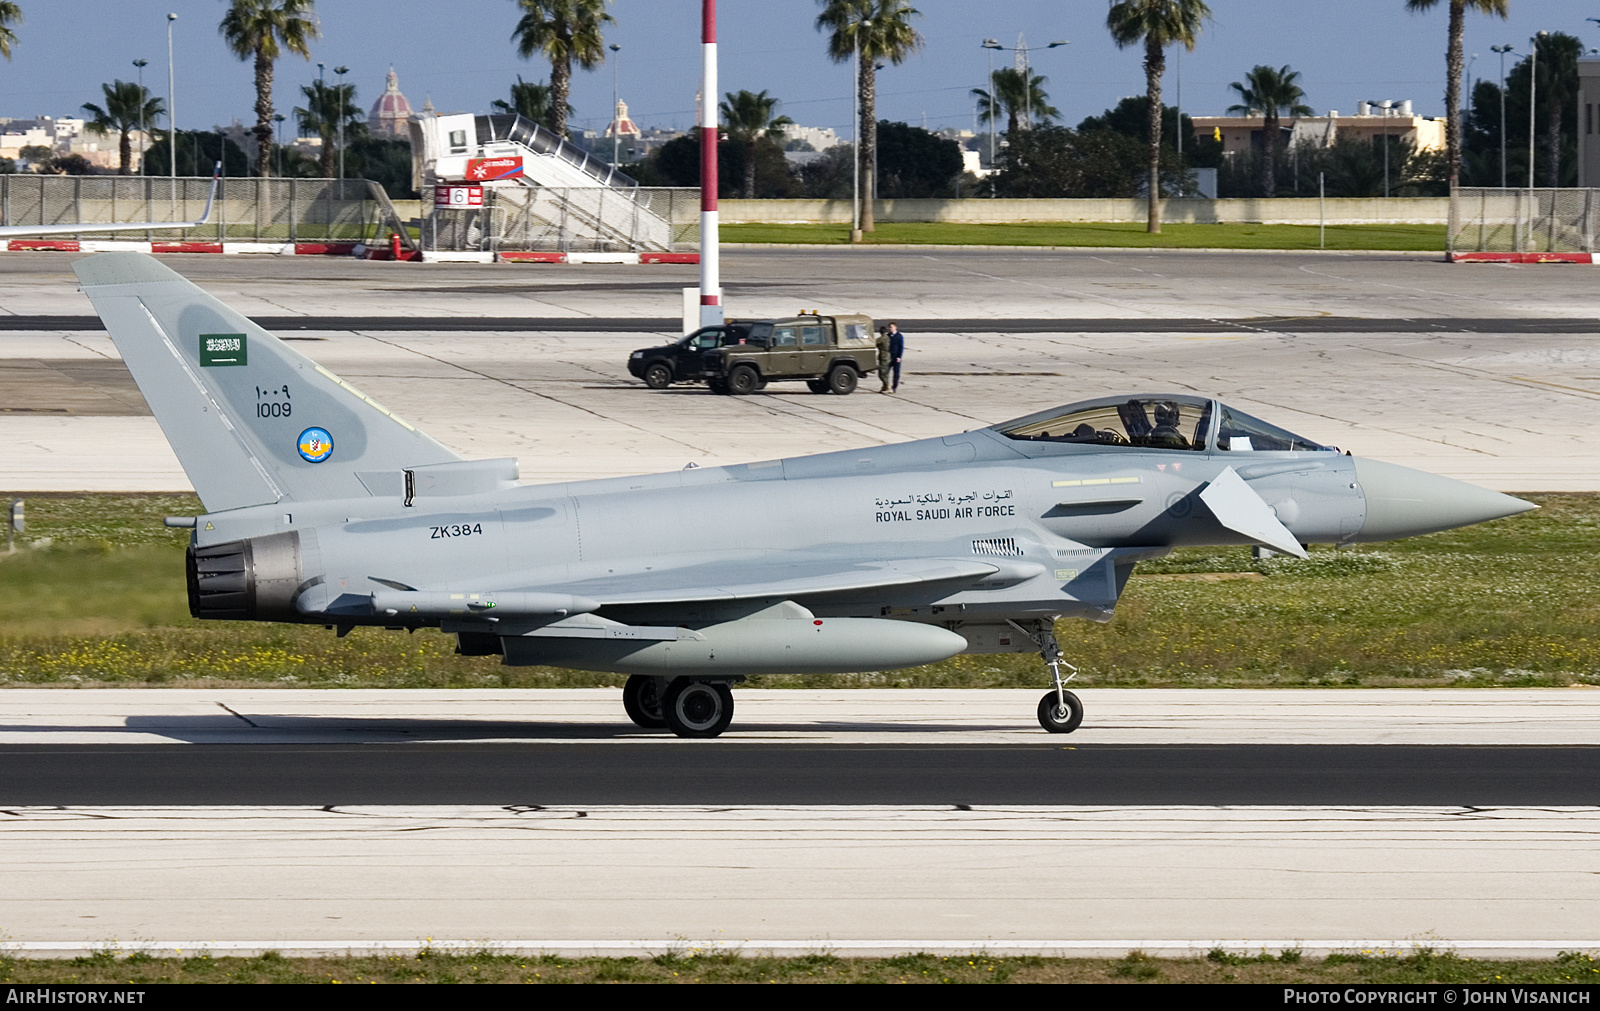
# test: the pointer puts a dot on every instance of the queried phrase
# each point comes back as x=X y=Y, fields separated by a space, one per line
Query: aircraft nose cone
x=1402 y=502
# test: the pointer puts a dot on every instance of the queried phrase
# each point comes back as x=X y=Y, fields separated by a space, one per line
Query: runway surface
x=849 y=747
x=767 y=774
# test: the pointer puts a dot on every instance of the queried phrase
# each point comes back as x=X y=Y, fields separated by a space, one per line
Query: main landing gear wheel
x=641 y=697
x=817 y=385
x=1060 y=715
x=658 y=376
x=698 y=708
x=718 y=386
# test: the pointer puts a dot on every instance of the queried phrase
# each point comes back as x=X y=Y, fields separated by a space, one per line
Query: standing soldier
x=883 y=359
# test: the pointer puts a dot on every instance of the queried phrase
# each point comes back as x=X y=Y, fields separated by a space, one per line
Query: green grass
x=97 y=597
x=1128 y=235
x=430 y=966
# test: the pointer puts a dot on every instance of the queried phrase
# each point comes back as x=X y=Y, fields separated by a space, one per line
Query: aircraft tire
x=697 y=708
x=1053 y=720
x=817 y=385
x=743 y=379
x=842 y=380
x=658 y=376
x=641 y=698
x=718 y=386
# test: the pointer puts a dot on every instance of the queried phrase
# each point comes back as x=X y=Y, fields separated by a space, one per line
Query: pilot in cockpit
x=1165 y=434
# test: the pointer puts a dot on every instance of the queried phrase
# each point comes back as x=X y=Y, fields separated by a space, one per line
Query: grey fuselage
x=1061 y=524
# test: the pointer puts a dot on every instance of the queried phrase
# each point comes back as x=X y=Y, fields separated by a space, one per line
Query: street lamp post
x=1502 y=50
x=277 y=121
x=322 y=92
x=991 y=45
x=1178 y=124
x=172 y=121
x=1471 y=106
x=1027 y=73
x=339 y=112
x=616 y=96
x=1388 y=107
x=144 y=134
x=1533 y=103
x=855 y=139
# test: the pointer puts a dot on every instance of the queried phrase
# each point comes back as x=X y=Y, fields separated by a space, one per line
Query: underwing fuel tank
x=783 y=639
x=1402 y=502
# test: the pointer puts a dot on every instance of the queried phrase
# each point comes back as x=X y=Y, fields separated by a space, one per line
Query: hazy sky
x=459 y=53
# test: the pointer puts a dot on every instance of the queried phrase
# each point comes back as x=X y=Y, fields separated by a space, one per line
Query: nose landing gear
x=1059 y=712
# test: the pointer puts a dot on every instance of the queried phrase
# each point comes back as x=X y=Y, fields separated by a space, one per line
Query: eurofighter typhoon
x=323 y=507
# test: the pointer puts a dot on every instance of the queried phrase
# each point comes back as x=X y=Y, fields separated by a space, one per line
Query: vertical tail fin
x=251 y=420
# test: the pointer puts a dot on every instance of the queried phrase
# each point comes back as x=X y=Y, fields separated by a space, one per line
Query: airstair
x=503 y=182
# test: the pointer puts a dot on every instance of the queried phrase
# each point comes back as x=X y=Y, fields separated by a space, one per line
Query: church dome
x=391 y=111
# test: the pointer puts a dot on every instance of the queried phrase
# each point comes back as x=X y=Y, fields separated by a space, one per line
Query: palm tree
x=1158 y=24
x=263 y=29
x=10 y=14
x=326 y=108
x=748 y=117
x=882 y=30
x=564 y=31
x=1266 y=92
x=1558 y=88
x=129 y=107
x=1015 y=98
x=530 y=100
x=1452 y=65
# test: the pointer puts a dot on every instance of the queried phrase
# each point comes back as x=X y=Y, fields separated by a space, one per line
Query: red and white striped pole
x=711 y=313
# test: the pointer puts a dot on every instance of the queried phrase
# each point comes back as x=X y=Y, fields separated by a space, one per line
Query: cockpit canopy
x=1171 y=421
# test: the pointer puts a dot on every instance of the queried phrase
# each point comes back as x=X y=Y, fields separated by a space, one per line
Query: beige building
x=1589 y=122
x=1244 y=133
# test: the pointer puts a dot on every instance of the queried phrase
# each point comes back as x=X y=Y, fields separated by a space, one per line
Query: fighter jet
x=324 y=507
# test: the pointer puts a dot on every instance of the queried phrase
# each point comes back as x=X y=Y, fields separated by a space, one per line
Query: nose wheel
x=1059 y=712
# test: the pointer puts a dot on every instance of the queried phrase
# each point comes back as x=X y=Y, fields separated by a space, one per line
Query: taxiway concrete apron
x=1486 y=374
x=533 y=857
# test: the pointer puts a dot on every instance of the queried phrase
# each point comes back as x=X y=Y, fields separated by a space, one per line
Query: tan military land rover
x=831 y=353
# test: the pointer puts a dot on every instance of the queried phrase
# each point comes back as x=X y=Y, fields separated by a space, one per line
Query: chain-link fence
x=567 y=219
x=1484 y=219
x=249 y=209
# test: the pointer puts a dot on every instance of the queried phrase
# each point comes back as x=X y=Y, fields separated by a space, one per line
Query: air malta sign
x=490 y=169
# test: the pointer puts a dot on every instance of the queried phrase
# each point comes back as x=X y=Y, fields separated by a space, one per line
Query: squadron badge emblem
x=316 y=445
